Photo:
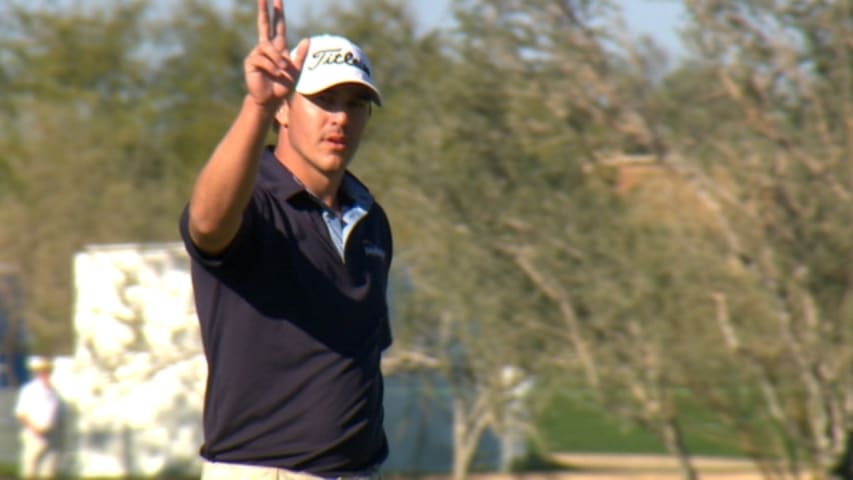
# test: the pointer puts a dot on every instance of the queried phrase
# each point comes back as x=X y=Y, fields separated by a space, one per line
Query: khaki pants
x=39 y=456
x=235 y=471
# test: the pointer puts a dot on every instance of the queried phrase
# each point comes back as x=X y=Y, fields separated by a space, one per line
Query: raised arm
x=224 y=185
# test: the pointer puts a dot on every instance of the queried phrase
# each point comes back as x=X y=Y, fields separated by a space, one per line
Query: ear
x=282 y=115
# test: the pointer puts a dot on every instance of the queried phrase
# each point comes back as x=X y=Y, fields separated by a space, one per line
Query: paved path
x=631 y=467
x=630 y=463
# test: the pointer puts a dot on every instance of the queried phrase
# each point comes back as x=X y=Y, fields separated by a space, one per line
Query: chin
x=334 y=163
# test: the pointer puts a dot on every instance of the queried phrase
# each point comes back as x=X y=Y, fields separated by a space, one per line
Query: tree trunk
x=674 y=442
x=844 y=470
x=463 y=447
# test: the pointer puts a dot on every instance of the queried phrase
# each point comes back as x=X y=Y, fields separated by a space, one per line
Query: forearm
x=29 y=425
x=224 y=186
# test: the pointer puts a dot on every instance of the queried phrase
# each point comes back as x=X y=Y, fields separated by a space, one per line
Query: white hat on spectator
x=37 y=363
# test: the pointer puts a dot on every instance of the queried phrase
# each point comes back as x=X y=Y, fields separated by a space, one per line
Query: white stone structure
x=136 y=381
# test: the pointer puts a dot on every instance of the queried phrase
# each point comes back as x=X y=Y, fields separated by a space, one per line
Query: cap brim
x=315 y=89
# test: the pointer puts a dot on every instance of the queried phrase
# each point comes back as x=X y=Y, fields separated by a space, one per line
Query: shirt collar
x=356 y=191
x=274 y=176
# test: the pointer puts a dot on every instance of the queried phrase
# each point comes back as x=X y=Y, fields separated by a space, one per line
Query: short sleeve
x=235 y=249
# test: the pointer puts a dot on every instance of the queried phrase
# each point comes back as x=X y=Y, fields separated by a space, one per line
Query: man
x=290 y=259
x=38 y=411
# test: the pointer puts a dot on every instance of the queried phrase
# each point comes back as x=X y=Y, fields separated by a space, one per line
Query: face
x=325 y=129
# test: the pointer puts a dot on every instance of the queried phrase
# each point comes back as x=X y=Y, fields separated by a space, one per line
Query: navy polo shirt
x=293 y=332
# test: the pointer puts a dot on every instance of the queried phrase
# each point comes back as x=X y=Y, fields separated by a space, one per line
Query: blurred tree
x=580 y=114
x=110 y=110
x=70 y=140
x=768 y=122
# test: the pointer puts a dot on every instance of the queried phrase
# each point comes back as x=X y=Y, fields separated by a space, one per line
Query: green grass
x=569 y=425
x=8 y=470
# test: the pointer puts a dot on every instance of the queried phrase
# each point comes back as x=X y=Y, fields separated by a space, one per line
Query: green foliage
x=109 y=115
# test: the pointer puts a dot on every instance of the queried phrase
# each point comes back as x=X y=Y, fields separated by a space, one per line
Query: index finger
x=263 y=22
x=279 y=26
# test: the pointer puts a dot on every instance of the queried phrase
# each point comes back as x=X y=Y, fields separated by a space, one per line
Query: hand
x=270 y=72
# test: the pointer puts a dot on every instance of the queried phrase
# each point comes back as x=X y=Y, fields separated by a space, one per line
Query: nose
x=339 y=114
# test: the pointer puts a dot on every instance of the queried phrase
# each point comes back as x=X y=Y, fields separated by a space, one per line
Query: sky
x=657 y=18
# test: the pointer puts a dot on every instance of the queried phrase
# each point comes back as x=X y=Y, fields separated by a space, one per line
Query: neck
x=329 y=197
x=321 y=184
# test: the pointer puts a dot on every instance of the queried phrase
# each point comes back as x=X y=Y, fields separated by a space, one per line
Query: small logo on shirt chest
x=372 y=250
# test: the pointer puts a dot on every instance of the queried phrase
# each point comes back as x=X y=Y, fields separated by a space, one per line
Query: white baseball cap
x=332 y=60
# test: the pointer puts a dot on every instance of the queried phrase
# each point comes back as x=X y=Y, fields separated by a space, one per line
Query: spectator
x=38 y=409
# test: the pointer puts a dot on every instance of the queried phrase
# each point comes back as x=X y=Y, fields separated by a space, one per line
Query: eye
x=359 y=102
x=324 y=99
